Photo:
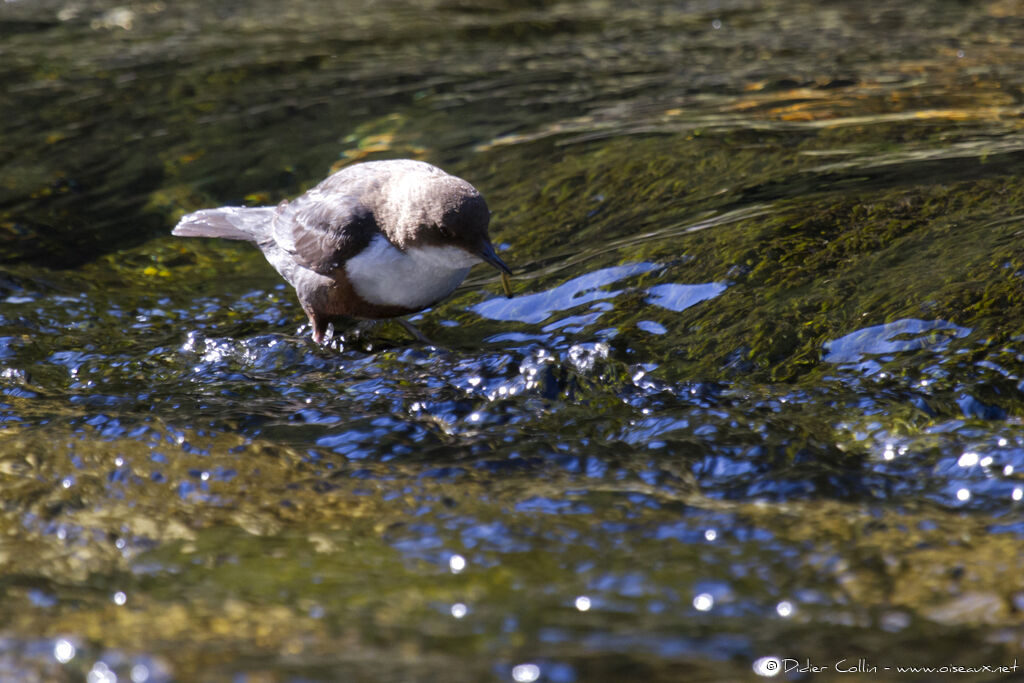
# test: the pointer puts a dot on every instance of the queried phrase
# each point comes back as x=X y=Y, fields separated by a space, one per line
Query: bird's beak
x=486 y=252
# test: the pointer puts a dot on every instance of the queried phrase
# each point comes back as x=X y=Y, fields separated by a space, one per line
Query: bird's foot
x=326 y=334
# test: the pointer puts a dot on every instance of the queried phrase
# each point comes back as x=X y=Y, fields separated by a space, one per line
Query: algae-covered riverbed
x=760 y=392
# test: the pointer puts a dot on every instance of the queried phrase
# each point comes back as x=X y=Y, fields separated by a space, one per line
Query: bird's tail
x=229 y=222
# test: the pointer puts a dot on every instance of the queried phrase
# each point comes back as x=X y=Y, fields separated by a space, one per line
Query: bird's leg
x=411 y=329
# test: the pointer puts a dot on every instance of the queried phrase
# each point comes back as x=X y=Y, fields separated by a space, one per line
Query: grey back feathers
x=410 y=202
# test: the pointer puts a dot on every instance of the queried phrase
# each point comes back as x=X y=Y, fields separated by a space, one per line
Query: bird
x=378 y=239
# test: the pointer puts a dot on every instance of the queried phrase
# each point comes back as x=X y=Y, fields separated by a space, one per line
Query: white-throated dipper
x=378 y=239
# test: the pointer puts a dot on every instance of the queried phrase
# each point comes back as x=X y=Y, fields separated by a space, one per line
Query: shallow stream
x=760 y=392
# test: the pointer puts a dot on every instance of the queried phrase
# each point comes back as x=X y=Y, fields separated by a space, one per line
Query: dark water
x=759 y=395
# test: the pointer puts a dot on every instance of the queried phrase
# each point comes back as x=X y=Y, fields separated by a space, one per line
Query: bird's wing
x=322 y=230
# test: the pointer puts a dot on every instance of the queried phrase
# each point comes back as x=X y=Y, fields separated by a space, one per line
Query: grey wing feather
x=322 y=231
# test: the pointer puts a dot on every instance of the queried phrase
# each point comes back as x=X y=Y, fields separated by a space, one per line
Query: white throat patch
x=416 y=278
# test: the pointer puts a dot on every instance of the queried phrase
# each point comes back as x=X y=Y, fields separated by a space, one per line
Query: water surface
x=759 y=393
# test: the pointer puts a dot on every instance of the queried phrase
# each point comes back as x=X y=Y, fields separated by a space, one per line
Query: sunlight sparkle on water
x=101 y=673
x=120 y=598
x=704 y=602
x=784 y=608
x=1017 y=494
x=968 y=459
x=525 y=673
x=456 y=563
x=963 y=494
x=459 y=610
x=710 y=535
x=583 y=603
x=63 y=651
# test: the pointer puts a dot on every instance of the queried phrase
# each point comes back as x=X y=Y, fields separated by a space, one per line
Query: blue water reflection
x=680 y=297
x=589 y=289
x=651 y=327
x=536 y=308
x=907 y=334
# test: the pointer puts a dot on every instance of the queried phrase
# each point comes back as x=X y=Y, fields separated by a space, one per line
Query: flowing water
x=760 y=392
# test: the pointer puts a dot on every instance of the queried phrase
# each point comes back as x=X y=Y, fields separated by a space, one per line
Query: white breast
x=415 y=278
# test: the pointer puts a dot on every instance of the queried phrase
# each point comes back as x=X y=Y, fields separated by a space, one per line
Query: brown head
x=450 y=216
